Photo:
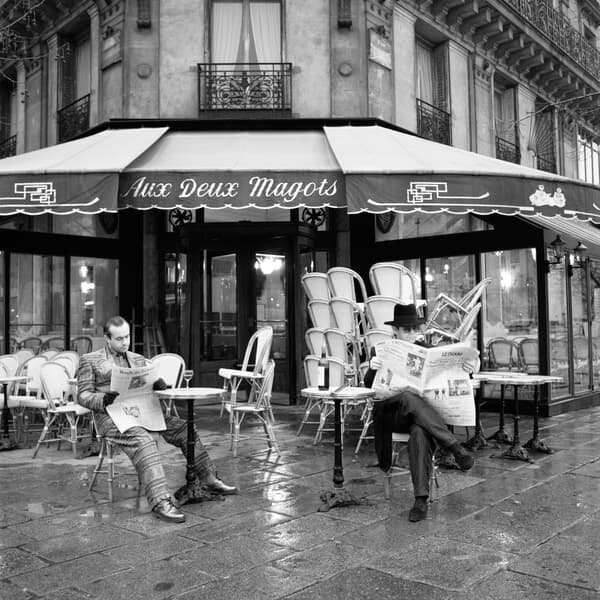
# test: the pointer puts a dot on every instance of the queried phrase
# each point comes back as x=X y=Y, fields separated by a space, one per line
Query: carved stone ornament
x=384 y=221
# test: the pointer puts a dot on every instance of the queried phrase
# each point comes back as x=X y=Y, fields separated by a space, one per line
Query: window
x=103 y=225
x=432 y=74
x=175 y=274
x=3 y=348
x=246 y=31
x=588 y=158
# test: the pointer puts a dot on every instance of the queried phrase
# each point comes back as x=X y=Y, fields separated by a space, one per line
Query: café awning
x=360 y=168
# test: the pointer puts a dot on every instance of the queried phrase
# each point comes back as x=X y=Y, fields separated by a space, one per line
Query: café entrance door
x=238 y=284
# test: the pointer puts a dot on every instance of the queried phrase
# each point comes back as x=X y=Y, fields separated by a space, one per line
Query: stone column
x=404 y=69
x=525 y=123
x=21 y=100
x=52 y=135
x=94 y=64
x=458 y=66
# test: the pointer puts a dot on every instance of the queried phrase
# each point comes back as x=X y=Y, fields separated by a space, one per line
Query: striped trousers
x=140 y=446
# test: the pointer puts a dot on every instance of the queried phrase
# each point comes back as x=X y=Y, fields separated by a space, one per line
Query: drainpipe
x=492 y=69
x=472 y=103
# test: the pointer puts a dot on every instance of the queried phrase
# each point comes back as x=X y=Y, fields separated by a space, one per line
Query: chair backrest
x=314 y=339
x=380 y=309
x=395 y=280
x=311 y=373
x=346 y=316
x=82 y=344
x=67 y=363
x=259 y=347
x=49 y=354
x=320 y=314
x=31 y=368
x=23 y=354
x=3 y=371
x=263 y=398
x=10 y=363
x=339 y=345
x=374 y=336
x=71 y=354
x=530 y=354
x=33 y=343
x=56 y=342
x=170 y=367
x=55 y=383
x=316 y=286
x=469 y=300
x=467 y=324
x=503 y=354
x=343 y=283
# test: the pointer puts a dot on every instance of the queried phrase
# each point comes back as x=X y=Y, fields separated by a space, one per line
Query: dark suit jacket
x=93 y=381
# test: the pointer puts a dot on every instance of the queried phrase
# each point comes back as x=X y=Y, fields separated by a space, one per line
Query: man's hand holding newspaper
x=439 y=374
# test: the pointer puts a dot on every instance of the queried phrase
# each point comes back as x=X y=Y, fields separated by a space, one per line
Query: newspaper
x=136 y=405
x=435 y=373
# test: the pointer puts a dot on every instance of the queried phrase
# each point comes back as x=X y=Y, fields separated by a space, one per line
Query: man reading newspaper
x=404 y=410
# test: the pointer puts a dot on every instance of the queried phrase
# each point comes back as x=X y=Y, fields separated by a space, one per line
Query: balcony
x=547 y=163
x=433 y=123
x=74 y=118
x=8 y=147
x=264 y=88
x=508 y=151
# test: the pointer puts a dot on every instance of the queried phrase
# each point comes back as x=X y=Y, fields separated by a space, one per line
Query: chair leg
x=367 y=420
x=110 y=463
x=49 y=420
x=270 y=432
x=98 y=467
x=325 y=412
x=236 y=435
x=310 y=404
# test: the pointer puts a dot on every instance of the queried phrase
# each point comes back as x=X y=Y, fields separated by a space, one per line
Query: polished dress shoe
x=419 y=511
x=165 y=511
x=464 y=459
x=218 y=487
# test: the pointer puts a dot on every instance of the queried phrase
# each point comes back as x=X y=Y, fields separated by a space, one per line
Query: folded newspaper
x=435 y=373
x=136 y=405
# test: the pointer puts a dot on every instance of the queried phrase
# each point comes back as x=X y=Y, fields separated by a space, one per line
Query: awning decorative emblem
x=542 y=198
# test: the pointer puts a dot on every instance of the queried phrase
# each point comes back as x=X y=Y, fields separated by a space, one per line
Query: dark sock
x=421 y=501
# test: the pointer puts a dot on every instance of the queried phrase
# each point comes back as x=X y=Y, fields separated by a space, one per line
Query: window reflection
x=3 y=347
x=219 y=324
x=595 y=318
x=581 y=362
x=558 y=327
x=175 y=300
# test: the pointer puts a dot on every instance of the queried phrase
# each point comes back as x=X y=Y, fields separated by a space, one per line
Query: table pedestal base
x=194 y=493
x=537 y=445
x=339 y=497
x=8 y=444
x=501 y=437
x=517 y=453
x=477 y=442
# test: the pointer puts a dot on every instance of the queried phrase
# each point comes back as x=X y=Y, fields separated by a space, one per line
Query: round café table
x=191 y=491
x=517 y=379
x=6 y=443
x=339 y=496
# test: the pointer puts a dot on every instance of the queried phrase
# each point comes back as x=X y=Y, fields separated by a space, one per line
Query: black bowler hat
x=405 y=315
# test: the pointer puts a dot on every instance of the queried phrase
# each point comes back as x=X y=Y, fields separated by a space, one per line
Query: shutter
x=67 y=72
x=440 y=77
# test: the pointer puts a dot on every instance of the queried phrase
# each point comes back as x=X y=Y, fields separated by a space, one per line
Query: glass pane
x=595 y=309
x=219 y=320
x=558 y=328
x=94 y=299
x=453 y=276
x=104 y=225
x=37 y=308
x=3 y=348
x=175 y=301
x=255 y=215
x=510 y=311
x=271 y=299
x=581 y=359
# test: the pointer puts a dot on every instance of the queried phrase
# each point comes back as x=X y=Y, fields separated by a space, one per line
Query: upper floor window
x=588 y=158
x=246 y=31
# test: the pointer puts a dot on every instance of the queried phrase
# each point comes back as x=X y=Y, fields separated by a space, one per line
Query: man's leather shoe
x=463 y=459
x=165 y=511
x=218 y=487
x=418 y=512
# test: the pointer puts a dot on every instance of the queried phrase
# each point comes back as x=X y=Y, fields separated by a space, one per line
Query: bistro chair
x=503 y=355
x=380 y=309
x=170 y=367
x=374 y=336
x=320 y=314
x=439 y=335
x=70 y=355
x=82 y=344
x=259 y=348
x=68 y=363
x=11 y=363
x=57 y=343
x=314 y=338
x=23 y=355
x=32 y=343
x=396 y=281
x=259 y=407
x=60 y=414
x=316 y=286
x=343 y=346
x=13 y=405
x=529 y=355
x=49 y=354
x=344 y=283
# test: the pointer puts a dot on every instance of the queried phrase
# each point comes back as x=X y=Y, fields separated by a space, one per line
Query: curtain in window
x=265 y=26
x=82 y=68
x=424 y=74
x=226 y=31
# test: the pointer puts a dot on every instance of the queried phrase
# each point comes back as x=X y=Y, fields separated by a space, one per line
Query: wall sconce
x=558 y=252
x=578 y=258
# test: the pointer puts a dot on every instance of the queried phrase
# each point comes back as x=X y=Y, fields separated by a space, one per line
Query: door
x=235 y=292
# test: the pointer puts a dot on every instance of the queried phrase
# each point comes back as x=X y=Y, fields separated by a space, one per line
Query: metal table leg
x=516 y=451
x=501 y=436
x=478 y=440
x=535 y=443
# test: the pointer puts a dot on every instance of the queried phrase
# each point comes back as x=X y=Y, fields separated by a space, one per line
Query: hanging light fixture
x=558 y=252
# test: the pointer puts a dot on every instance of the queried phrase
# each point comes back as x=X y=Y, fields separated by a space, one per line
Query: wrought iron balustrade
x=508 y=151
x=546 y=163
x=8 y=147
x=245 y=86
x=74 y=118
x=558 y=29
x=433 y=123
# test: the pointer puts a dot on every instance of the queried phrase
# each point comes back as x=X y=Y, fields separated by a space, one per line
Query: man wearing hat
x=407 y=412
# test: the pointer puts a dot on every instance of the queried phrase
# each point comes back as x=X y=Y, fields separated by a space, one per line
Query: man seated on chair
x=93 y=381
x=407 y=412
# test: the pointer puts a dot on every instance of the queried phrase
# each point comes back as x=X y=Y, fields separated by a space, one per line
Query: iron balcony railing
x=558 y=29
x=433 y=123
x=8 y=147
x=546 y=164
x=245 y=86
x=74 y=118
x=508 y=151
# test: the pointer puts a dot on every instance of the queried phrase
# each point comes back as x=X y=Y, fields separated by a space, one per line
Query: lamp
x=577 y=258
x=558 y=252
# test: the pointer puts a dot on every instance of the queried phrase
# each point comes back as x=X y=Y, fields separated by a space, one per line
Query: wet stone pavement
x=505 y=529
